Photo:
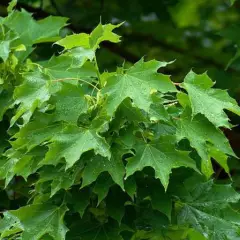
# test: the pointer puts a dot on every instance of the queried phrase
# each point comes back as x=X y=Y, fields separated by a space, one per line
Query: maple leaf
x=5 y=102
x=60 y=179
x=68 y=68
x=20 y=164
x=208 y=101
x=35 y=221
x=70 y=103
x=98 y=164
x=136 y=83
x=31 y=94
x=205 y=206
x=102 y=186
x=162 y=156
x=72 y=142
x=204 y=137
x=89 y=231
x=31 y=31
x=36 y=132
x=91 y=41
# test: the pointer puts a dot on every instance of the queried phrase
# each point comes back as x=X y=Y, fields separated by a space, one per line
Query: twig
x=77 y=79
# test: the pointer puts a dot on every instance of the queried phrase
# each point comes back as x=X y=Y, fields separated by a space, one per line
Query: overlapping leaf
x=137 y=83
x=105 y=144
x=35 y=221
x=99 y=164
x=208 y=101
x=206 y=208
x=162 y=156
x=204 y=137
x=72 y=142
x=91 y=41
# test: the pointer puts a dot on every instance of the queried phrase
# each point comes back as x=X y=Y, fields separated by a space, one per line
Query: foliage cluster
x=89 y=154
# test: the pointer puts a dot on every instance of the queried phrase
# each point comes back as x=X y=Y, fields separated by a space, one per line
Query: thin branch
x=77 y=79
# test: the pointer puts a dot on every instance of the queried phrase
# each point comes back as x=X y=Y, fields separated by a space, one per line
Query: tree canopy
x=119 y=120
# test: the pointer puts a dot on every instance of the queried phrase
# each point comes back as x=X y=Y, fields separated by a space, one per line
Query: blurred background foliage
x=199 y=34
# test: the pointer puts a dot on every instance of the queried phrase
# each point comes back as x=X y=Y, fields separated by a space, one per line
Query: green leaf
x=22 y=164
x=102 y=186
x=60 y=179
x=103 y=33
x=200 y=133
x=70 y=104
x=130 y=186
x=205 y=206
x=207 y=101
x=31 y=31
x=35 y=221
x=75 y=40
x=36 y=132
x=6 y=172
x=115 y=206
x=137 y=83
x=98 y=164
x=11 y=6
x=4 y=50
x=91 y=41
x=72 y=142
x=94 y=230
x=162 y=156
x=80 y=200
x=6 y=101
x=31 y=94
x=67 y=68
x=160 y=200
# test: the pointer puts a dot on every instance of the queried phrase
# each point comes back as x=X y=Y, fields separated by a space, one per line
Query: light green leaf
x=35 y=221
x=162 y=156
x=72 y=142
x=4 y=50
x=75 y=40
x=208 y=101
x=103 y=33
x=91 y=41
x=11 y=6
x=137 y=83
